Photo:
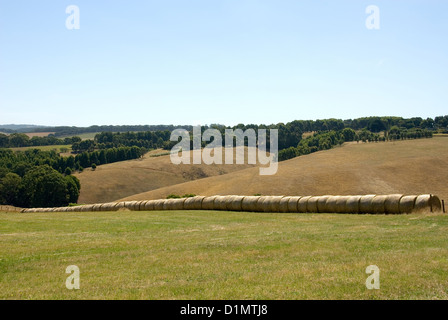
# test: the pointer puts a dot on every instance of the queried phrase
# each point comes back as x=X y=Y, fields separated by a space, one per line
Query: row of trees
x=22 y=140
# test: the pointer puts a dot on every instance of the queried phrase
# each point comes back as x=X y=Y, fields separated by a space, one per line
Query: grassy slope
x=118 y=180
x=410 y=167
x=222 y=255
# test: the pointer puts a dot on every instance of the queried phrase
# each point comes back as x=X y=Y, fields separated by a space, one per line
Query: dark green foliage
x=45 y=187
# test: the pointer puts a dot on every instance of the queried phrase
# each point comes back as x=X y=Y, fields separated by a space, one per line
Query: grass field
x=46 y=148
x=222 y=255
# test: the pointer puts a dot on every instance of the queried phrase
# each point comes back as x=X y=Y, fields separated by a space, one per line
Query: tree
x=73 y=188
x=10 y=188
x=45 y=187
x=349 y=134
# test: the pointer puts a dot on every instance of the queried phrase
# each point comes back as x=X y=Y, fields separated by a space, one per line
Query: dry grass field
x=408 y=167
x=121 y=179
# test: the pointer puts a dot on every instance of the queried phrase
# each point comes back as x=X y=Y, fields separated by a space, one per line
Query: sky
x=220 y=61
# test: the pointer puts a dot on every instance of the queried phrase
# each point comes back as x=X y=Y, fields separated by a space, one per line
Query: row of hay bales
x=372 y=204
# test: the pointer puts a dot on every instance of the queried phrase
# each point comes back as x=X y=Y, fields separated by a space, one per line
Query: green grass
x=222 y=255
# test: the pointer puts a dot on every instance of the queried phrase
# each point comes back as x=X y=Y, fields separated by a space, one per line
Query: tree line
x=36 y=178
x=16 y=140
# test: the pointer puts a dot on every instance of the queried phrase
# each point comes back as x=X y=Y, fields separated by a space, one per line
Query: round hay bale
x=261 y=206
x=207 y=203
x=341 y=204
x=352 y=204
x=311 y=205
x=235 y=203
x=193 y=203
x=174 y=204
x=378 y=204
x=249 y=203
x=322 y=204
x=76 y=209
x=138 y=205
x=87 y=208
x=134 y=205
x=302 y=204
x=158 y=204
x=148 y=205
x=272 y=203
x=264 y=204
x=365 y=203
x=283 y=205
x=128 y=204
x=407 y=204
x=331 y=204
x=119 y=206
x=392 y=203
x=108 y=206
x=97 y=207
x=427 y=202
x=293 y=203
x=220 y=203
x=168 y=204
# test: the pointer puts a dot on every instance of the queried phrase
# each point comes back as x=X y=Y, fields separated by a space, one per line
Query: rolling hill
x=409 y=167
x=121 y=179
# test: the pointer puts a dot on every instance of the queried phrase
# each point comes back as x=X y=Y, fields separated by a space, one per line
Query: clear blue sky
x=220 y=61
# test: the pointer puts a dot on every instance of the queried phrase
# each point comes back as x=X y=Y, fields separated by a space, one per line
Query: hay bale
x=138 y=205
x=283 y=205
x=378 y=204
x=341 y=204
x=97 y=207
x=193 y=203
x=76 y=209
x=119 y=206
x=272 y=204
x=331 y=204
x=293 y=203
x=207 y=203
x=108 y=206
x=365 y=203
x=220 y=203
x=249 y=203
x=87 y=208
x=352 y=204
x=427 y=202
x=261 y=206
x=322 y=204
x=174 y=204
x=158 y=204
x=407 y=204
x=302 y=204
x=148 y=205
x=311 y=205
x=392 y=203
x=235 y=203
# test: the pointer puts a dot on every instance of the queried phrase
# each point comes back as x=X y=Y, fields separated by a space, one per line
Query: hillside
x=410 y=167
x=121 y=179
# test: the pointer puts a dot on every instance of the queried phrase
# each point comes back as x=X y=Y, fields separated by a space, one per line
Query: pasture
x=222 y=255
